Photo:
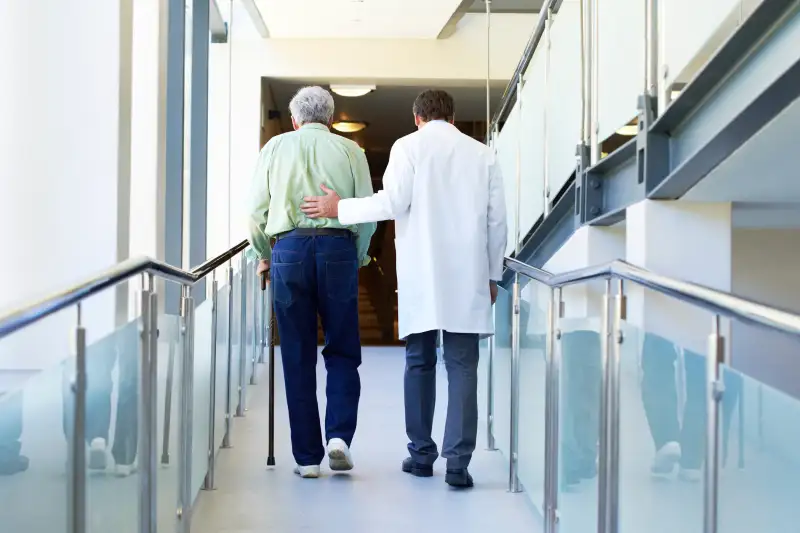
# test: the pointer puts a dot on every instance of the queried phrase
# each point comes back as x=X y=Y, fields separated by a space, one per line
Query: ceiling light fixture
x=349 y=126
x=629 y=130
x=352 y=90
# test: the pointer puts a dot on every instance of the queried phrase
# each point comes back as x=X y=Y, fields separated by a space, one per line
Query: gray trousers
x=461 y=428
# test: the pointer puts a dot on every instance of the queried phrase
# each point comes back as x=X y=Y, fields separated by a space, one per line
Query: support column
x=689 y=241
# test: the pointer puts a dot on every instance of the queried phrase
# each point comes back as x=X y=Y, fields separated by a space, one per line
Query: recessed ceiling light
x=352 y=90
x=349 y=126
x=628 y=131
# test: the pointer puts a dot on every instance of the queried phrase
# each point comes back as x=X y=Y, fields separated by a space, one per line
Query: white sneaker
x=307 y=472
x=98 y=455
x=665 y=460
x=690 y=475
x=339 y=456
x=126 y=470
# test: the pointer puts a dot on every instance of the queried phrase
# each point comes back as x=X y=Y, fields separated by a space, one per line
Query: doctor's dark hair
x=434 y=105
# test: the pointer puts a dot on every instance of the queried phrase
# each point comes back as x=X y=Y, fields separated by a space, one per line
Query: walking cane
x=271 y=347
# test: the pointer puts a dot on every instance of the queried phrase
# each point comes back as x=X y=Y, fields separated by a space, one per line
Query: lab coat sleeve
x=497 y=222
x=258 y=207
x=392 y=201
x=363 y=189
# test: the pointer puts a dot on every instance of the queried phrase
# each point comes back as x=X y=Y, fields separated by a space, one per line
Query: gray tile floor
x=376 y=496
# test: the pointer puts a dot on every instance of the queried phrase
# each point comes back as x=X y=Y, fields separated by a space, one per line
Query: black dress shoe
x=416 y=469
x=13 y=465
x=459 y=478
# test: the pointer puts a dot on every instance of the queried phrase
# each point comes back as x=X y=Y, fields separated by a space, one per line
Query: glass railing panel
x=534 y=303
x=170 y=356
x=663 y=402
x=202 y=390
x=621 y=63
x=532 y=142
x=759 y=424
x=506 y=146
x=250 y=321
x=33 y=446
x=579 y=405
x=502 y=370
x=564 y=94
x=221 y=381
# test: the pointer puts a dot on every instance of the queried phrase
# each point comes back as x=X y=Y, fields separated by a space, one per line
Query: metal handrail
x=714 y=300
x=109 y=277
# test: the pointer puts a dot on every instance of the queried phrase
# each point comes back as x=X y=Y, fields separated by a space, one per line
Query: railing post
x=604 y=449
x=491 y=445
x=256 y=316
x=614 y=312
x=552 y=406
x=77 y=445
x=240 y=407
x=715 y=389
x=545 y=130
x=187 y=413
x=148 y=370
x=226 y=439
x=208 y=482
x=513 y=470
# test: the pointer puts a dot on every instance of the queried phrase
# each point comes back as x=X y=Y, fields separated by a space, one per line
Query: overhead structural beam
x=217 y=26
x=450 y=26
x=255 y=16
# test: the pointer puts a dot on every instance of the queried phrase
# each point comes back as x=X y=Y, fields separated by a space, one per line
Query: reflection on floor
x=376 y=496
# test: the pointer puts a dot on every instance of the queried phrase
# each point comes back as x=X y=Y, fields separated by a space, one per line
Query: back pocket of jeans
x=341 y=277
x=287 y=278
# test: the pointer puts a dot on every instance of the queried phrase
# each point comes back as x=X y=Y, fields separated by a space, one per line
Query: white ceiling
x=356 y=19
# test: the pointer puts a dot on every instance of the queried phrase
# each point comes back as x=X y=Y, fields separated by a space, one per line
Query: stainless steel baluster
x=76 y=495
x=552 y=408
x=240 y=407
x=187 y=413
x=208 y=483
x=148 y=416
x=491 y=445
x=226 y=440
x=513 y=470
x=256 y=315
x=715 y=358
x=604 y=449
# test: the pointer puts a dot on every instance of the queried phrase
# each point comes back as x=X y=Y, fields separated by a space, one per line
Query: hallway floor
x=376 y=496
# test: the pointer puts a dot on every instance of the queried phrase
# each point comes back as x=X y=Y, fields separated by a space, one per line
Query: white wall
x=765 y=263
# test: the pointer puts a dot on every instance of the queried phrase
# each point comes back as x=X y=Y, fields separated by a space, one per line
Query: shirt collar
x=314 y=126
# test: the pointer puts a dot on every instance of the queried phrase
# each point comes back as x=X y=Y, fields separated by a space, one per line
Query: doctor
x=445 y=192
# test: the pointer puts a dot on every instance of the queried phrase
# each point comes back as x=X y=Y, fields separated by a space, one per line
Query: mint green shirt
x=294 y=165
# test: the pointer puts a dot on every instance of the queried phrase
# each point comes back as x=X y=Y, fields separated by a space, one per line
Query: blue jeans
x=310 y=276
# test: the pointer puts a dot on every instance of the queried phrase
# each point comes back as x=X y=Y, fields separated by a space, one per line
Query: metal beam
x=609 y=187
x=549 y=233
x=217 y=26
x=255 y=16
x=750 y=81
x=450 y=26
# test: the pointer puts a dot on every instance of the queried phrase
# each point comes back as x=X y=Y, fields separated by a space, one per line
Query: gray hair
x=312 y=104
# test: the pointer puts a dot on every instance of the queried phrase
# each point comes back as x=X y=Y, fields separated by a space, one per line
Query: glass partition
x=221 y=384
x=759 y=428
x=663 y=403
x=502 y=370
x=534 y=304
x=202 y=389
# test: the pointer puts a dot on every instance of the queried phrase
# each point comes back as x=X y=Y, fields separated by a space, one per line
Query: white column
x=684 y=240
x=59 y=98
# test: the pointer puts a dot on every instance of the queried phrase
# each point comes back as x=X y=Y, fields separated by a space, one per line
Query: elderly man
x=314 y=266
x=445 y=191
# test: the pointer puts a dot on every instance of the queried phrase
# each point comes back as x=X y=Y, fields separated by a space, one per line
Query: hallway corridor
x=377 y=496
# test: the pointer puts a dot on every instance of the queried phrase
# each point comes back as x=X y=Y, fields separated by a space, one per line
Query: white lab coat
x=445 y=192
